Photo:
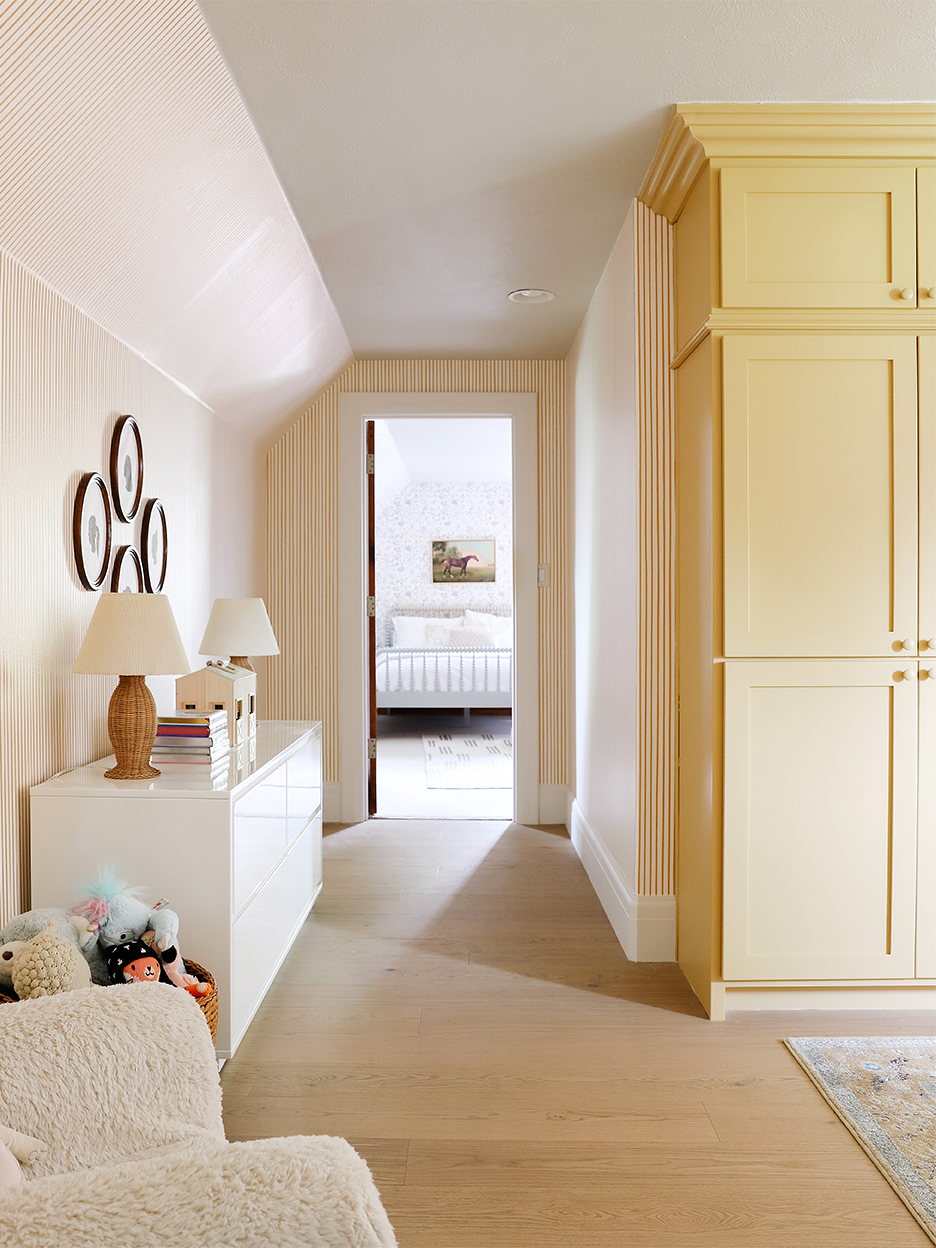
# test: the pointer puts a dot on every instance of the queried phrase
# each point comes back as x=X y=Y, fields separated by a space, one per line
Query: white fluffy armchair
x=122 y=1085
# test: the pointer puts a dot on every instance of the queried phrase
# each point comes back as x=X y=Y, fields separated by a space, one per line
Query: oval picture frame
x=155 y=545
x=126 y=468
x=91 y=530
x=127 y=577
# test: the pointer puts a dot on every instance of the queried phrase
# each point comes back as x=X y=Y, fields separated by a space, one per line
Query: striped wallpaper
x=63 y=382
x=302 y=541
x=656 y=692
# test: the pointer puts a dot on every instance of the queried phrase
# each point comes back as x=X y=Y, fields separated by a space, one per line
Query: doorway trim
x=354 y=410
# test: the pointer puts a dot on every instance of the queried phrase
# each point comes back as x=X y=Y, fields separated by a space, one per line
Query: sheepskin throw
x=122 y=1085
x=96 y=1080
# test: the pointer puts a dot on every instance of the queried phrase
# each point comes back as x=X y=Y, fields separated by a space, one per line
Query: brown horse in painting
x=449 y=564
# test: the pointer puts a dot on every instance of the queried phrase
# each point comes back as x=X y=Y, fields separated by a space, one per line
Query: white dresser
x=238 y=857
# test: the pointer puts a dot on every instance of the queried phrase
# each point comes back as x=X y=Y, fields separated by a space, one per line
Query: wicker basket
x=208 y=1004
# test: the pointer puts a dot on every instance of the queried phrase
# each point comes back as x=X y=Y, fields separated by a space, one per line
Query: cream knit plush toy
x=48 y=964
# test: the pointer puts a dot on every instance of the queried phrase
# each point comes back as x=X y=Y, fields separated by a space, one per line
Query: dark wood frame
x=154 y=508
x=119 y=428
x=124 y=553
x=87 y=481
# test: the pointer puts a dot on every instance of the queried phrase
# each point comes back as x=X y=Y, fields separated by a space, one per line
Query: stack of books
x=192 y=739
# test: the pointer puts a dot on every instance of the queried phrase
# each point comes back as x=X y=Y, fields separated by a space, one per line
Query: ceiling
x=238 y=203
x=467 y=449
x=135 y=185
x=439 y=154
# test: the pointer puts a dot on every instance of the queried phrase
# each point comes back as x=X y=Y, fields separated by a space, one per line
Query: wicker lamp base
x=131 y=726
x=241 y=660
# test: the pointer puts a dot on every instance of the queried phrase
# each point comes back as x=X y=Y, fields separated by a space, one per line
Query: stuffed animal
x=137 y=961
x=71 y=927
x=48 y=964
x=118 y=916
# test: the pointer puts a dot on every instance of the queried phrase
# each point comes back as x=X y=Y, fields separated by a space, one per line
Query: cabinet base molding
x=891 y=995
x=644 y=925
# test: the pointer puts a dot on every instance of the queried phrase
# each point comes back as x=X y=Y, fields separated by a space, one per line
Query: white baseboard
x=554 y=803
x=645 y=926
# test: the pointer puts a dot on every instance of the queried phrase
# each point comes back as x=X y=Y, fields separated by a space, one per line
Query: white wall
x=64 y=382
x=603 y=390
x=620 y=401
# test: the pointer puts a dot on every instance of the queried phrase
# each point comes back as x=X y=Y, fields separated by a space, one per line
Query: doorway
x=354 y=410
x=440 y=543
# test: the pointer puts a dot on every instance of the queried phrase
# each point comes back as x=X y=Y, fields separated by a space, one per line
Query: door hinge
x=370 y=464
x=371 y=747
x=372 y=606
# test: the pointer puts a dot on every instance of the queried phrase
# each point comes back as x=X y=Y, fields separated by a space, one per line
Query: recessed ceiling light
x=531 y=296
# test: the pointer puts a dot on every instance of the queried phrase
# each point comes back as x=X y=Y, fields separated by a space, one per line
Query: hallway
x=459 y=1008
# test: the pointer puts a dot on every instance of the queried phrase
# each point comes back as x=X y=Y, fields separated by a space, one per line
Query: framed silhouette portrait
x=154 y=544
x=127 y=577
x=126 y=468
x=91 y=530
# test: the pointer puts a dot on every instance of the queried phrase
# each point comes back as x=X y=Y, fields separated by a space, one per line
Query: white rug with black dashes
x=468 y=762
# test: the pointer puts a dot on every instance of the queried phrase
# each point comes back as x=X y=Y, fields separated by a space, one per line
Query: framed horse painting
x=463 y=559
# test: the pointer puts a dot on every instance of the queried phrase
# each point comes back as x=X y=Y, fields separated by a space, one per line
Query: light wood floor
x=458 y=1007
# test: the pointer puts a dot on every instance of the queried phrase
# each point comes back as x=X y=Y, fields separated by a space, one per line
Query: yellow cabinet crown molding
x=696 y=133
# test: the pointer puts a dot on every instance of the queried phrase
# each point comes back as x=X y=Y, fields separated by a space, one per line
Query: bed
x=435 y=659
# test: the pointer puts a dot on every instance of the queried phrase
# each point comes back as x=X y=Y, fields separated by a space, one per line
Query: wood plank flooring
x=459 y=1008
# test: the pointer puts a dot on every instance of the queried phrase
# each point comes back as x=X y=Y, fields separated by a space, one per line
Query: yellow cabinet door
x=927 y=629
x=926 y=235
x=926 y=862
x=820 y=805
x=926 y=851
x=818 y=238
x=820 y=495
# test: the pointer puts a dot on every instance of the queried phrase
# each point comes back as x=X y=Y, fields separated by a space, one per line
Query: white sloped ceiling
x=134 y=183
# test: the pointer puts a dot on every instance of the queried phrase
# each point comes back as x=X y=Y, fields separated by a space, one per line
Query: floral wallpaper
x=428 y=511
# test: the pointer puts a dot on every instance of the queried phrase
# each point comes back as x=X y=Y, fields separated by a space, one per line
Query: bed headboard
x=442 y=613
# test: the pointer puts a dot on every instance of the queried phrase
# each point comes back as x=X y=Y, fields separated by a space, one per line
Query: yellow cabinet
x=820 y=819
x=820 y=495
x=926 y=236
x=819 y=237
x=805 y=503
x=927 y=387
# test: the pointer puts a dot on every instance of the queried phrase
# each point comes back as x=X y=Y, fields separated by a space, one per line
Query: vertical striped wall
x=63 y=382
x=656 y=689
x=302 y=540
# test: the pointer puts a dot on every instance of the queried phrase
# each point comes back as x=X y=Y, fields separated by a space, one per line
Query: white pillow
x=478 y=619
x=409 y=630
x=473 y=638
x=503 y=637
x=437 y=631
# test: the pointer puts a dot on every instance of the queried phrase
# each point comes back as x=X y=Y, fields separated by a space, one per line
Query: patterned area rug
x=469 y=762
x=884 y=1089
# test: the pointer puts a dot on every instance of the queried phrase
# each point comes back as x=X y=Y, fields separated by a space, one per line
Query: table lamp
x=238 y=627
x=132 y=636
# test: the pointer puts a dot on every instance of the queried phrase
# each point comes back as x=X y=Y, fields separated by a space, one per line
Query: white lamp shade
x=238 y=626
x=132 y=635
